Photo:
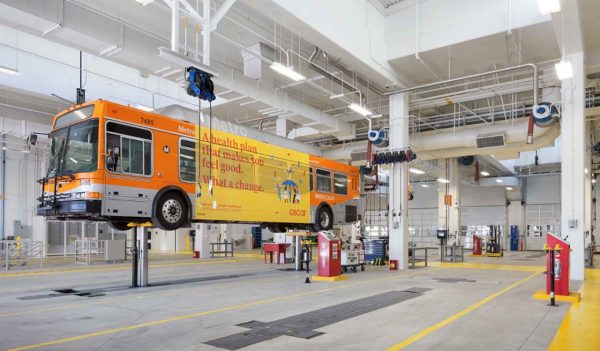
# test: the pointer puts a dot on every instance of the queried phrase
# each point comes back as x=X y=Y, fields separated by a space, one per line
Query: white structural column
x=453 y=171
x=449 y=215
x=398 y=188
x=588 y=186
x=202 y=240
x=175 y=26
x=573 y=164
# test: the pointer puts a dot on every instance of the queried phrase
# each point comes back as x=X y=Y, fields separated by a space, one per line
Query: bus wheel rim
x=324 y=219
x=171 y=211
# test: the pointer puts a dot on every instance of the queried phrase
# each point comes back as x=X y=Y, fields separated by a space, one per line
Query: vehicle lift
x=139 y=261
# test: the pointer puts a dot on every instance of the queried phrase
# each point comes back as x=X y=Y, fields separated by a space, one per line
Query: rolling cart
x=352 y=258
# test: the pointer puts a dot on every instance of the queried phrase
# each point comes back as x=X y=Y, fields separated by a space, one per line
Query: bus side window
x=311 y=178
x=340 y=184
x=135 y=145
x=323 y=181
x=187 y=160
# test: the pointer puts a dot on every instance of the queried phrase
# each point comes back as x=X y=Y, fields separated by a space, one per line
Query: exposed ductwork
x=462 y=142
x=78 y=29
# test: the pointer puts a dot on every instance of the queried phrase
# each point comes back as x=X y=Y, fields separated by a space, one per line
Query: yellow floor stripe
x=202 y=313
x=580 y=330
x=491 y=266
x=423 y=333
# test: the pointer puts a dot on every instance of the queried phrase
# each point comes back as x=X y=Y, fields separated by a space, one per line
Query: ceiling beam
x=214 y=22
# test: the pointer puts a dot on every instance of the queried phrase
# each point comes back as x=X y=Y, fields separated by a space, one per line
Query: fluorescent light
x=52 y=29
x=144 y=108
x=287 y=71
x=144 y=2
x=586 y=170
x=484 y=173
x=10 y=71
x=359 y=109
x=564 y=70
x=110 y=51
x=416 y=171
x=443 y=181
x=377 y=116
x=180 y=60
x=425 y=185
x=336 y=96
x=548 y=6
x=25 y=151
x=498 y=180
x=73 y=160
x=5 y=148
x=593 y=180
x=509 y=188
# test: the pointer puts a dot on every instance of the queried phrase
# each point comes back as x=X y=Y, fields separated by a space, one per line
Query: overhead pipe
x=502 y=70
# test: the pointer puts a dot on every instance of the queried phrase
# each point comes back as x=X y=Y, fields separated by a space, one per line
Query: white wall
x=479 y=196
x=542 y=189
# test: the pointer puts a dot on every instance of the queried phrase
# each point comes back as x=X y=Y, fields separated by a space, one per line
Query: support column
x=398 y=185
x=206 y=33
x=573 y=163
x=588 y=186
x=143 y=249
x=449 y=214
x=453 y=172
x=175 y=26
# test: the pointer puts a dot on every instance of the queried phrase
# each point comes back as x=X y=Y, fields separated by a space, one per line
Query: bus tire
x=323 y=219
x=170 y=212
x=118 y=225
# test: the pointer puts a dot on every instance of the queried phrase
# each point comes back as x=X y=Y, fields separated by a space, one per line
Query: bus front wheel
x=324 y=219
x=170 y=212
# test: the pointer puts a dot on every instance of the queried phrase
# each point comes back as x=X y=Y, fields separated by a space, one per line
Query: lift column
x=143 y=238
x=398 y=196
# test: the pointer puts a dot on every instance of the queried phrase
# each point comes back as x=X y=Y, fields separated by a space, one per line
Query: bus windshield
x=74 y=149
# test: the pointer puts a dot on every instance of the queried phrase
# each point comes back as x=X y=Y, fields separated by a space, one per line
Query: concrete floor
x=204 y=300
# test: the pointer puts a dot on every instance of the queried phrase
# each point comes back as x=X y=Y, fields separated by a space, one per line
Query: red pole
x=530 y=130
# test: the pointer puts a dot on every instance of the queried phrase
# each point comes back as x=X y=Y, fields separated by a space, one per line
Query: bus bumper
x=72 y=208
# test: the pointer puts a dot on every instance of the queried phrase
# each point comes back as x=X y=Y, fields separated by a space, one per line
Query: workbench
x=414 y=259
x=456 y=253
x=277 y=248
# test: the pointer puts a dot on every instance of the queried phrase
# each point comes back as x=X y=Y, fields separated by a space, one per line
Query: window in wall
x=323 y=181
x=187 y=160
x=340 y=184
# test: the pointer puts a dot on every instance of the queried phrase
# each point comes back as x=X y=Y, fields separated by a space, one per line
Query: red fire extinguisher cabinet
x=561 y=265
x=330 y=257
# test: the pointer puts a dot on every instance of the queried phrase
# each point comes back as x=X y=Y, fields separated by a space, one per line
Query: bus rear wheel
x=170 y=212
x=323 y=219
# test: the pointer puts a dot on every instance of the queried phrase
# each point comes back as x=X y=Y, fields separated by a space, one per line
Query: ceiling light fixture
x=547 y=7
x=377 y=116
x=593 y=180
x=360 y=110
x=585 y=170
x=564 y=69
x=416 y=171
x=144 y=2
x=498 y=180
x=52 y=29
x=336 y=96
x=110 y=51
x=425 y=185
x=443 y=181
x=484 y=173
x=12 y=72
x=509 y=188
x=287 y=71
x=144 y=108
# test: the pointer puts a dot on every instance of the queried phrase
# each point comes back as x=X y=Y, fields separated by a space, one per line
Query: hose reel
x=545 y=114
x=379 y=138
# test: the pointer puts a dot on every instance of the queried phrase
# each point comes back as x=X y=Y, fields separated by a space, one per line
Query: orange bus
x=120 y=164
